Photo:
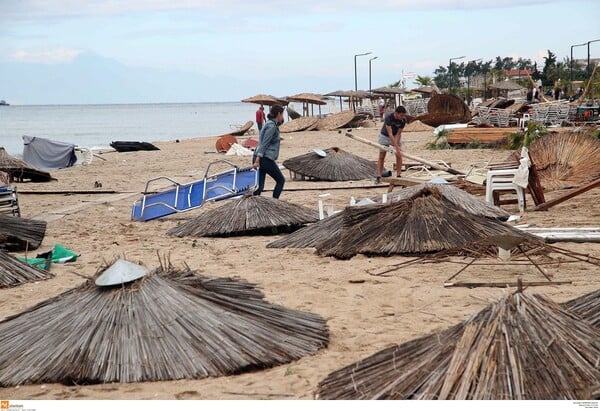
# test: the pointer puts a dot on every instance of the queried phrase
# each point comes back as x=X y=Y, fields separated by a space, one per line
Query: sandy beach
x=365 y=313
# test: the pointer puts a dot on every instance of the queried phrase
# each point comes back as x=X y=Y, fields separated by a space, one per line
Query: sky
x=145 y=51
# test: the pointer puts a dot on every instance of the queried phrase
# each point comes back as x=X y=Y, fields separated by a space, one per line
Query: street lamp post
x=371 y=59
x=588 y=60
x=355 y=79
x=469 y=81
x=449 y=71
x=571 y=67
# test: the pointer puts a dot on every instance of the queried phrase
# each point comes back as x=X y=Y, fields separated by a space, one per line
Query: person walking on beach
x=381 y=104
x=260 y=117
x=267 y=152
x=390 y=135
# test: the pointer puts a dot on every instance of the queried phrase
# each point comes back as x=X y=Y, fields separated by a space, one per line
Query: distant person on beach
x=260 y=117
x=390 y=135
x=381 y=104
x=267 y=152
x=557 y=93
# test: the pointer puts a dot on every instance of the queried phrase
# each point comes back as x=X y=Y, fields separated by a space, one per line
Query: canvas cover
x=47 y=154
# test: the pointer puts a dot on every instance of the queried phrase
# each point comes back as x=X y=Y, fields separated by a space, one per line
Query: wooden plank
x=545 y=206
x=504 y=284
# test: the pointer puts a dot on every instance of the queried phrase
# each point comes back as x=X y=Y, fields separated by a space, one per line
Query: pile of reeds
x=327 y=229
x=153 y=329
x=337 y=165
x=299 y=124
x=524 y=347
x=247 y=215
x=566 y=159
x=424 y=223
x=19 y=170
x=19 y=234
x=587 y=307
x=14 y=272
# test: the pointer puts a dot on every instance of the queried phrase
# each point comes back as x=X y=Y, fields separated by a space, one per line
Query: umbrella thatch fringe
x=587 y=307
x=566 y=159
x=445 y=109
x=196 y=329
x=328 y=230
x=18 y=234
x=523 y=347
x=338 y=165
x=14 y=272
x=425 y=223
x=247 y=215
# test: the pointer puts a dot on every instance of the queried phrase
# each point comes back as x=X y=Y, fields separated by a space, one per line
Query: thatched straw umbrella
x=328 y=230
x=337 y=165
x=587 y=307
x=247 y=215
x=263 y=99
x=93 y=334
x=14 y=272
x=523 y=347
x=18 y=234
x=567 y=159
x=335 y=121
x=445 y=109
x=299 y=124
x=424 y=223
x=19 y=170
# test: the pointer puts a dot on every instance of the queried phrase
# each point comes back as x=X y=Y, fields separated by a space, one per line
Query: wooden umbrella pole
x=587 y=88
x=392 y=150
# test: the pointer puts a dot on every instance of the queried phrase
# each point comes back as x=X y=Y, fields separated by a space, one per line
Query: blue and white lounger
x=185 y=197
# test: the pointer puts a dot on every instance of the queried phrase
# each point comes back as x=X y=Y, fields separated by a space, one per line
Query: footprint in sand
x=188 y=395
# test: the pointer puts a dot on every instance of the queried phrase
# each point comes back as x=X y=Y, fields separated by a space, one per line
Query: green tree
x=424 y=81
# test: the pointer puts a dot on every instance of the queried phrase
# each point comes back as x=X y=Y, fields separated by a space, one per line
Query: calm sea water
x=99 y=125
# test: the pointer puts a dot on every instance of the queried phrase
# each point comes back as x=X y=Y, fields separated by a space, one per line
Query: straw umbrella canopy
x=18 y=234
x=337 y=165
x=566 y=159
x=424 y=223
x=14 y=272
x=247 y=215
x=299 y=124
x=445 y=109
x=263 y=99
x=587 y=307
x=335 y=121
x=389 y=90
x=329 y=230
x=523 y=347
x=306 y=99
x=118 y=333
x=20 y=170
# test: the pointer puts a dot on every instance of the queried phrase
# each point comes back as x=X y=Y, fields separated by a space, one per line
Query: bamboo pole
x=392 y=150
x=587 y=88
x=504 y=284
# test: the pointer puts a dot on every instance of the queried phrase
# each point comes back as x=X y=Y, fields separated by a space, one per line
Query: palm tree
x=424 y=81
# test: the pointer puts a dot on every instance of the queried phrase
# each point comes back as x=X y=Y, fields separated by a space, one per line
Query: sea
x=99 y=125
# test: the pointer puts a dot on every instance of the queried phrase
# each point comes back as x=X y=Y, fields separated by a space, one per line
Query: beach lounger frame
x=189 y=196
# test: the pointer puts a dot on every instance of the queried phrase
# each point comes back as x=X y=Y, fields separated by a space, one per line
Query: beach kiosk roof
x=167 y=325
x=523 y=347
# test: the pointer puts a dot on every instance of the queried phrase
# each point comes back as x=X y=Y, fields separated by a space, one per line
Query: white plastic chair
x=502 y=180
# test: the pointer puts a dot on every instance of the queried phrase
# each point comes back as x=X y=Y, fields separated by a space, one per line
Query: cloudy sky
x=239 y=47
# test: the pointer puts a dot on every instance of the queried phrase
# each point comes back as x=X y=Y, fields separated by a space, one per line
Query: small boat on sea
x=4 y=103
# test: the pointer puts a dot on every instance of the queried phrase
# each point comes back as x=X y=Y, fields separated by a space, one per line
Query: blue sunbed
x=188 y=196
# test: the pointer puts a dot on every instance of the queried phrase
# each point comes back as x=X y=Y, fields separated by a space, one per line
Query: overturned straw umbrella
x=19 y=170
x=118 y=333
x=299 y=124
x=336 y=165
x=14 y=272
x=523 y=347
x=445 y=109
x=424 y=223
x=335 y=121
x=566 y=159
x=247 y=215
x=328 y=231
x=587 y=307
x=19 y=234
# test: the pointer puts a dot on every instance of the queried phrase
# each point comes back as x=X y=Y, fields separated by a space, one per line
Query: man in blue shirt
x=390 y=135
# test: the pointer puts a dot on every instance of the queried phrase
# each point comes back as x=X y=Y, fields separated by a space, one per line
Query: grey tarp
x=47 y=154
